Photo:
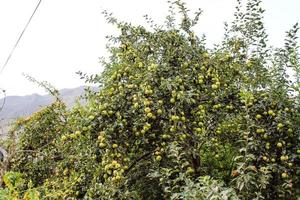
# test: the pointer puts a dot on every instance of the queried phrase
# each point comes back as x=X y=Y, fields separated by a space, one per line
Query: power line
x=22 y=33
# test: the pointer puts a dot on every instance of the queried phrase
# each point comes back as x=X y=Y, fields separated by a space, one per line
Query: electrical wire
x=22 y=33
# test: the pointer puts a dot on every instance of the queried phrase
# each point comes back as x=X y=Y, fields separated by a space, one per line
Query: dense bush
x=173 y=120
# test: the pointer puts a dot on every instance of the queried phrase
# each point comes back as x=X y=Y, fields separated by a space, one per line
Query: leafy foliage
x=173 y=119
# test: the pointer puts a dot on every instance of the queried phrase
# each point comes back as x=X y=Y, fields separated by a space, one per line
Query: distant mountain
x=19 y=106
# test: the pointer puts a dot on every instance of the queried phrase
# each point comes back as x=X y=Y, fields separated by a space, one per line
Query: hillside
x=19 y=106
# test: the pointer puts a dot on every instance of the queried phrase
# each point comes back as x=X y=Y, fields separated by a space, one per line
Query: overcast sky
x=69 y=35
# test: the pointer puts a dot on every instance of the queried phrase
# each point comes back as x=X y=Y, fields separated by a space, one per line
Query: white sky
x=69 y=35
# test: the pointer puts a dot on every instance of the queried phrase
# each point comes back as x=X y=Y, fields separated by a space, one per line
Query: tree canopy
x=173 y=119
